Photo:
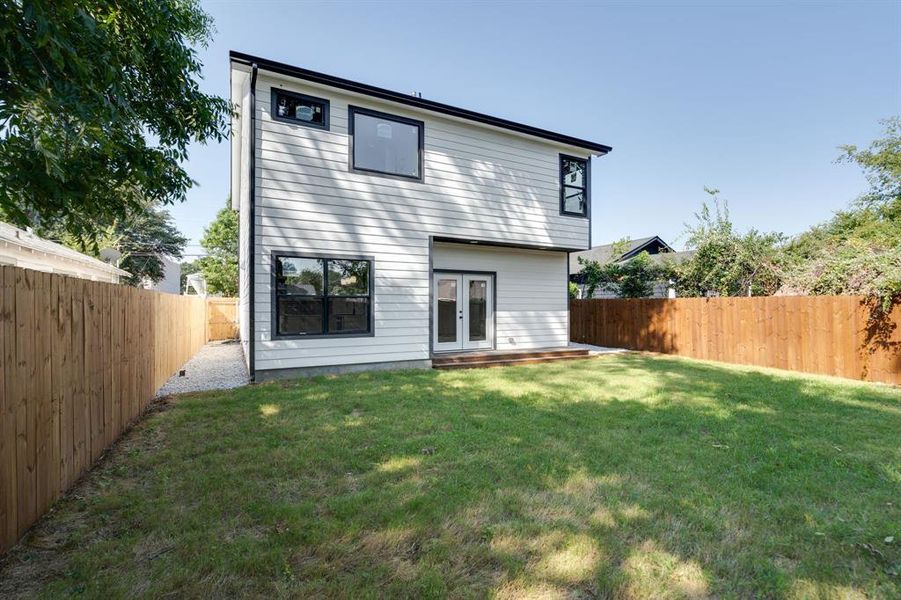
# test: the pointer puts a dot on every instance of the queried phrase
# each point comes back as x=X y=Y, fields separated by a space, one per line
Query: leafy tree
x=632 y=278
x=726 y=262
x=98 y=103
x=220 y=240
x=858 y=251
x=143 y=238
x=573 y=290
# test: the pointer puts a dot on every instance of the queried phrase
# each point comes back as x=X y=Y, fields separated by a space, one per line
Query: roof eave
x=430 y=105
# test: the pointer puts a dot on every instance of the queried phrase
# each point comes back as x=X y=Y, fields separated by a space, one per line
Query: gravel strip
x=217 y=366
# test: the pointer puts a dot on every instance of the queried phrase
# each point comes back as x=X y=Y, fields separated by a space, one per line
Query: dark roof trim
x=446 y=109
x=494 y=244
x=637 y=249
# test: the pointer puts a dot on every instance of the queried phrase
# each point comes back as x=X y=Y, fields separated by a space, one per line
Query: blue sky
x=752 y=100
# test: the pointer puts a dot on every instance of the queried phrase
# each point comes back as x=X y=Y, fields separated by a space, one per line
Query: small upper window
x=386 y=144
x=298 y=108
x=573 y=186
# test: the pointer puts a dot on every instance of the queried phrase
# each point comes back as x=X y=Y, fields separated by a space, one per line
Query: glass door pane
x=446 y=315
x=478 y=310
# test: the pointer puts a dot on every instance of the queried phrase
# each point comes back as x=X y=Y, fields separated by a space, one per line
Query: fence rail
x=831 y=335
x=80 y=360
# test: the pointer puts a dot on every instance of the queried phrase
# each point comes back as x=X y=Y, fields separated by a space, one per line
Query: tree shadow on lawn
x=625 y=476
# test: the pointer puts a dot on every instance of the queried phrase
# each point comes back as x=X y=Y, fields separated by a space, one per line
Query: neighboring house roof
x=24 y=249
x=605 y=253
x=673 y=257
x=410 y=100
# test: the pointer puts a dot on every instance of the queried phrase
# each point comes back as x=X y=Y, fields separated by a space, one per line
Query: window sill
x=322 y=336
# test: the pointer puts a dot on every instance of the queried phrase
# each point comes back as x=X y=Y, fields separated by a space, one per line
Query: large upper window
x=573 y=186
x=300 y=109
x=322 y=296
x=385 y=144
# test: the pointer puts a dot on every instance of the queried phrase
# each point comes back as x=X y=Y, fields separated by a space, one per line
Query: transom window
x=322 y=296
x=291 y=107
x=573 y=186
x=386 y=144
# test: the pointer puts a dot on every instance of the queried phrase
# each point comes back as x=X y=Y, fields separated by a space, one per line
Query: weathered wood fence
x=222 y=319
x=831 y=335
x=79 y=362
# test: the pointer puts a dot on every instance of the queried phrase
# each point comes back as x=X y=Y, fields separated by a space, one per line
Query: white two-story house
x=383 y=230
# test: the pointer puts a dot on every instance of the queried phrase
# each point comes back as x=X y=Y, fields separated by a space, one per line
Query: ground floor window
x=315 y=296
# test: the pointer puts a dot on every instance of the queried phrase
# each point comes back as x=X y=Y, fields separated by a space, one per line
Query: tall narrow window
x=322 y=296
x=573 y=186
x=386 y=144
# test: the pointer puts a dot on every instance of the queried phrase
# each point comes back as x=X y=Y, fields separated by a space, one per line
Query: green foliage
x=143 y=238
x=220 y=240
x=573 y=290
x=858 y=251
x=726 y=262
x=632 y=278
x=98 y=103
x=881 y=164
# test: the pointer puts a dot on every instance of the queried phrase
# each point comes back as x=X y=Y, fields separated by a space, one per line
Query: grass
x=623 y=476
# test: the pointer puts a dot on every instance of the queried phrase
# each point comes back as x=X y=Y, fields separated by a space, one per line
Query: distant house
x=171 y=281
x=22 y=248
x=622 y=252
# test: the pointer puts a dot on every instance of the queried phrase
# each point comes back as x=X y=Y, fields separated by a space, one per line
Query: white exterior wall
x=530 y=289
x=240 y=159
x=480 y=183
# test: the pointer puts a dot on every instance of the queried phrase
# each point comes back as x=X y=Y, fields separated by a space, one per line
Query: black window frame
x=586 y=188
x=370 y=317
x=352 y=111
x=326 y=109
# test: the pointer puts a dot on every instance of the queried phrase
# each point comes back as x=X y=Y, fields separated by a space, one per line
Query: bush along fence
x=80 y=361
x=845 y=336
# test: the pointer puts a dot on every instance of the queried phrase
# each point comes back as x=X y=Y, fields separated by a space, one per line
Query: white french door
x=463 y=312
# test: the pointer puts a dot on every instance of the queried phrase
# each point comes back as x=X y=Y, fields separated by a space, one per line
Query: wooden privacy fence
x=222 y=319
x=831 y=335
x=79 y=360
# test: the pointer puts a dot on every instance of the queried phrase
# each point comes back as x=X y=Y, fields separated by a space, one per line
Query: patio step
x=471 y=360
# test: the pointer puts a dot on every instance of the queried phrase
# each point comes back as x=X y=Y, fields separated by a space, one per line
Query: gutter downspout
x=253 y=225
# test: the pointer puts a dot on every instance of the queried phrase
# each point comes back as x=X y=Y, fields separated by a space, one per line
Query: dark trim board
x=409 y=100
x=477 y=242
x=431 y=294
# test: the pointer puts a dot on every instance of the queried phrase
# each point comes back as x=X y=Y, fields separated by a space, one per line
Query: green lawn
x=622 y=476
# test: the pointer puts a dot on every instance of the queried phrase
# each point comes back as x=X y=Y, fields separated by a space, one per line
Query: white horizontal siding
x=532 y=305
x=479 y=184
